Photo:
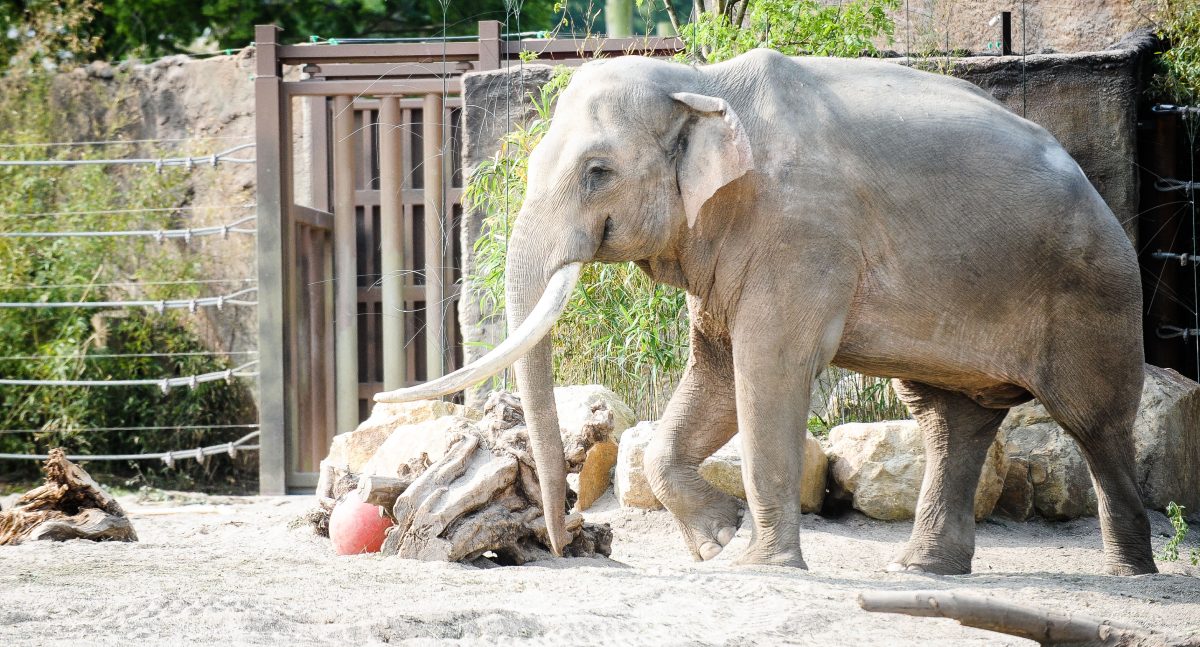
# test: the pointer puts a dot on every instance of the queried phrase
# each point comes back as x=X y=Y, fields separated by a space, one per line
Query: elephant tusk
x=527 y=335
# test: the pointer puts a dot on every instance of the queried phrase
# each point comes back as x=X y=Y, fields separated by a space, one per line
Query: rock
x=351 y=451
x=596 y=474
x=632 y=488
x=724 y=471
x=878 y=467
x=1047 y=473
x=411 y=448
x=575 y=405
x=1166 y=436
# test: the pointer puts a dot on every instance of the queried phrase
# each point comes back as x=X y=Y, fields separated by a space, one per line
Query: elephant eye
x=596 y=175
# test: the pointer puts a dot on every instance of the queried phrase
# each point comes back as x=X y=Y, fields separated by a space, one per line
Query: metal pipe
x=435 y=325
x=391 y=240
x=345 y=272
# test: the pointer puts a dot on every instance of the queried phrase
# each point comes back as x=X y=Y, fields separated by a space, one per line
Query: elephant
x=817 y=211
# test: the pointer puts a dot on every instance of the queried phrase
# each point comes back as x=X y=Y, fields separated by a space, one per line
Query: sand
x=230 y=571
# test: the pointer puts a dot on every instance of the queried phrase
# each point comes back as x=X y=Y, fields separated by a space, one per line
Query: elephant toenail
x=726 y=535
x=709 y=550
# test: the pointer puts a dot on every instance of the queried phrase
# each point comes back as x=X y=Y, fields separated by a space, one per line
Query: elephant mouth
x=539 y=322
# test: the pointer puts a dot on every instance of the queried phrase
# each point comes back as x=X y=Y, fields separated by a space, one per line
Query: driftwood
x=381 y=490
x=481 y=500
x=70 y=505
x=1040 y=625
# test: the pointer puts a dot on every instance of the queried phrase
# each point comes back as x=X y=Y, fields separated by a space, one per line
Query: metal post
x=435 y=327
x=274 y=362
x=391 y=237
x=1006 y=33
x=345 y=264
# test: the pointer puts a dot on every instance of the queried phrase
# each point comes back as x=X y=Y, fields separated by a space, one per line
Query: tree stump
x=70 y=505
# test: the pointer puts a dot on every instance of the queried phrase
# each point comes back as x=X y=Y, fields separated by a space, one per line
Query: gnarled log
x=1041 y=625
x=70 y=505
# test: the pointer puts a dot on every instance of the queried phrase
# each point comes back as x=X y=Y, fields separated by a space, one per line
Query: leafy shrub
x=83 y=344
x=1178 y=75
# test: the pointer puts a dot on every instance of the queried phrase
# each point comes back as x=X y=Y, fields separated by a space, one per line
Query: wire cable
x=122 y=212
x=160 y=305
x=117 y=284
x=157 y=234
x=165 y=384
x=31 y=358
x=200 y=453
x=117 y=142
x=149 y=428
x=159 y=163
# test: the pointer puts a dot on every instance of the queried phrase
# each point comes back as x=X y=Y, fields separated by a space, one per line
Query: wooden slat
x=376 y=52
x=314 y=218
x=432 y=69
x=386 y=87
x=345 y=265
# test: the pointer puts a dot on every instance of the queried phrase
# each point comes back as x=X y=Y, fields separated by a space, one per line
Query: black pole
x=1006 y=33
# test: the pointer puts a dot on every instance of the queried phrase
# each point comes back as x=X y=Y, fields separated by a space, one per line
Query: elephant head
x=635 y=150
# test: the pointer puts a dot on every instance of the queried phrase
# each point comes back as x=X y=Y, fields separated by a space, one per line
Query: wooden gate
x=359 y=279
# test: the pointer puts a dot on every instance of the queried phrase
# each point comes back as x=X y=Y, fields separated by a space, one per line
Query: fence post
x=273 y=327
x=391 y=239
x=435 y=219
x=345 y=264
x=489 y=45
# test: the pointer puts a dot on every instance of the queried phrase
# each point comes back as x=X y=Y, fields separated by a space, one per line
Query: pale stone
x=349 y=452
x=413 y=447
x=724 y=471
x=632 y=488
x=575 y=404
x=596 y=474
x=1166 y=437
x=1057 y=484
x=879 y=467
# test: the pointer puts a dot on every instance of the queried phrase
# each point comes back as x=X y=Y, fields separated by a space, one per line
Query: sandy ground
x=230 y=571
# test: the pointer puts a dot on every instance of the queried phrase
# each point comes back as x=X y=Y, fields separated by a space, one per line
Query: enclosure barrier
x=165 y=384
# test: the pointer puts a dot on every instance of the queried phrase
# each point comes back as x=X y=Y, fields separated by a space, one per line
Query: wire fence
x=238 y=297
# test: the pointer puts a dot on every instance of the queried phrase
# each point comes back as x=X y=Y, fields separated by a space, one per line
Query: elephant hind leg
x=957 y=433
x=700 y=418
x=1099 y=413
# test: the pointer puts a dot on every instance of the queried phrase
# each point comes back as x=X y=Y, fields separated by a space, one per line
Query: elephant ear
x=716 y=151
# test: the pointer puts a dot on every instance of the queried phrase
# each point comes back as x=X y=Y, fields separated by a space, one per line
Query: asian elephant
x=855 y=212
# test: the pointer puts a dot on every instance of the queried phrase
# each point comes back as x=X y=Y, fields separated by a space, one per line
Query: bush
x=84 y=344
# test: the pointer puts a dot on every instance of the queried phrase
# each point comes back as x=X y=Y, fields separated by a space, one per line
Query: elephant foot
x=932 y=561
x=1141 y=567
x=756 y=555
x=708 y=531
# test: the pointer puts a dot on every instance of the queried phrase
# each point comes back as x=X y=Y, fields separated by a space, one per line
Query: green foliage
x=1170 y=552
x=1178 y=76
x=118 y=29
x=841 y=396
x=796 y=28
x=621 y=329
x=79 y=344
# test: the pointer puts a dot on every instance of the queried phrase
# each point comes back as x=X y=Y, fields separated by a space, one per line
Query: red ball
x=356 y=527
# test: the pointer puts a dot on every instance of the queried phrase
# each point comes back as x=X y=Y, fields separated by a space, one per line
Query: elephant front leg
x=700 y=418
x=957 y=433
x=773 y=386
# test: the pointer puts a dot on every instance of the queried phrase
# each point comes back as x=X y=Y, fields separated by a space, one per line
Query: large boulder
x=591 y=420
x=576 y=403
x=878 y=468
x=350 y=452
x=632 y=488
x=724 y=471
x=1049 y=475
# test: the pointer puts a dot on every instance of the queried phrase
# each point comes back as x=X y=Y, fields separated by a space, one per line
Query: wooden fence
x=359 y=279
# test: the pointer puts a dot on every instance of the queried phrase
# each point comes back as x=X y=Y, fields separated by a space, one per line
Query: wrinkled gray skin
x=852 y=212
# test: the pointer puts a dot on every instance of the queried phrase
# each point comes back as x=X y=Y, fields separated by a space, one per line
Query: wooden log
x=69 y=505
x=1041 y=625
x=381 y=490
